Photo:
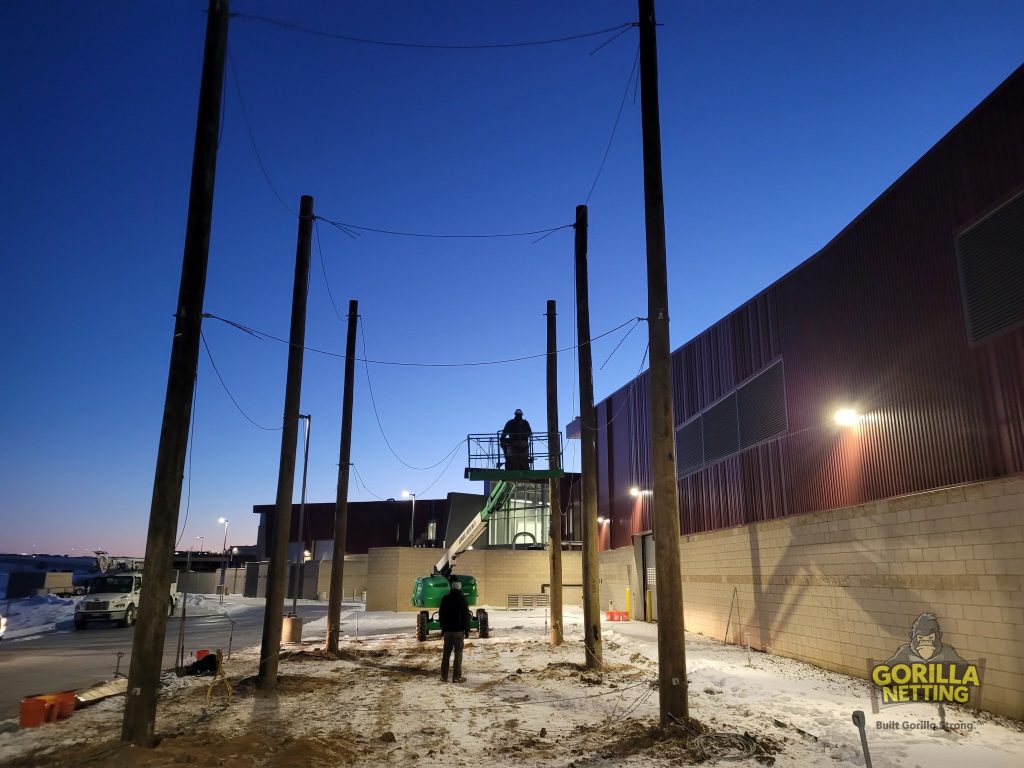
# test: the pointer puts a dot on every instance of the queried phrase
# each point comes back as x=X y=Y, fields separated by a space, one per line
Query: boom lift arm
x=500 y=493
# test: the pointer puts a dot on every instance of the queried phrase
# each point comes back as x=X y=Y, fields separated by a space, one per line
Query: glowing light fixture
x=846 y=417
x=639 y=492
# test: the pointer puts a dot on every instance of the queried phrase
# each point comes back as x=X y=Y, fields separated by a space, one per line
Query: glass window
x=523 y=520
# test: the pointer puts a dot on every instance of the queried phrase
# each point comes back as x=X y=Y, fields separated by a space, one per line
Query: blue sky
x=780 y=123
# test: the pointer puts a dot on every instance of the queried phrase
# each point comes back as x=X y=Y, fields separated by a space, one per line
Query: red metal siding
x=873 y=321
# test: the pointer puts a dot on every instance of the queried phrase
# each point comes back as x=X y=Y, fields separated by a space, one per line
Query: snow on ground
x=524 y=702
x=30 y=617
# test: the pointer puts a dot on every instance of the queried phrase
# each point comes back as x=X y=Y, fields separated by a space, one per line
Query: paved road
x=67 y=659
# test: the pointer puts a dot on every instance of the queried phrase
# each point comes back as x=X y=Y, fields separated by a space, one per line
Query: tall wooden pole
x=671 y=645
x=280 y=529
x=588 y=453
x=341 y=502
x=555 y=484
x=138 y=724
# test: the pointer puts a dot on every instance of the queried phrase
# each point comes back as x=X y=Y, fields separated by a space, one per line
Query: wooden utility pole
x=671 y=644
x=279 y=530
x=341 y=502
x=588 y=453
x=138 y=724
x=555 y=484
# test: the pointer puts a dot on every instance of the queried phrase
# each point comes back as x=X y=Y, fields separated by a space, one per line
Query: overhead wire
x=353 y=230
x=191 y=441
x=323 y=268
x=434 y=46
x=380 y=425
x=231 y=397
x=620 y=344
x=359 y=479
x=618 y=116
x=263 y=335
x=442 y=472
x=252 y=137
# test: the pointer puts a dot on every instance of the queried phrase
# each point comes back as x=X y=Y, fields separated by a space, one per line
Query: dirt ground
x=382 y=702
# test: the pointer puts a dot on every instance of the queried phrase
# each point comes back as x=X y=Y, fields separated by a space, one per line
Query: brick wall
x=837 y=588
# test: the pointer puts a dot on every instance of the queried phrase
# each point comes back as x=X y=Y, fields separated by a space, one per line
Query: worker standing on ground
x=515 y=442
x=453 y=614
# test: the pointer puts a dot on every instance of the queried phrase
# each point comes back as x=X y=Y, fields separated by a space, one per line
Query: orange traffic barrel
x=33 y=712
x=66 y=704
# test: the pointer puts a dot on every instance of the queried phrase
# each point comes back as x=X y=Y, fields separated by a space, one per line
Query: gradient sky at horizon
x=781 y=122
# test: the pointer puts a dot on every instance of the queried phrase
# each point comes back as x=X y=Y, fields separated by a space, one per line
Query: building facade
x=798 y=525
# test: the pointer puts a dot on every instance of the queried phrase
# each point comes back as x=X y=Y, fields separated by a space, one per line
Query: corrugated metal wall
x=874 y=321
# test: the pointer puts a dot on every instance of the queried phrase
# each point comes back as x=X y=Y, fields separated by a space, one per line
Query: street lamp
x=223 y=563
x=201 y=538
x=846 y=417
x=412 y=520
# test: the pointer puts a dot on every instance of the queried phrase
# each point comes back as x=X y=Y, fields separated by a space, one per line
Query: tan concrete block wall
x=391 y=573
x=837 y=588
x=618 y=575
x=527 y=571
x=353 y=578
x=234 y=581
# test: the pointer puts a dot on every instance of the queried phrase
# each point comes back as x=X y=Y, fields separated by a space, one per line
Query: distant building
x=390 y=523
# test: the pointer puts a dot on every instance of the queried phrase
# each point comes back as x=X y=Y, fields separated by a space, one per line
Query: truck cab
x=113 y=597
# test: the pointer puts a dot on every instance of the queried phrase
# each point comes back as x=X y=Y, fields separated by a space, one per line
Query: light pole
x=201 y=538
x=231 y=565
x=224 y=552
x=302 y=517
x=412 y=520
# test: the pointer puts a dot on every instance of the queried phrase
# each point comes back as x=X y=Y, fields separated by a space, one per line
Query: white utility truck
x=115 y=597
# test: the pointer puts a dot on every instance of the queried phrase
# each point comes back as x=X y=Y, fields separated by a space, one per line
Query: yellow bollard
x=647 y=601
x=629 y=607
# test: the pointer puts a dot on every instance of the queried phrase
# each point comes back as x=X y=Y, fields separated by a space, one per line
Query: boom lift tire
x=485 y=629
x=421 y=625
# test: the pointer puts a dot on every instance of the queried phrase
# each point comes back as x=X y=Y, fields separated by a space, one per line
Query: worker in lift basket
x=453 y=613
x=515 y=442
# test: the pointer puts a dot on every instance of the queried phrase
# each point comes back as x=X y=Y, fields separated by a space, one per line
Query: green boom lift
x=484 y=464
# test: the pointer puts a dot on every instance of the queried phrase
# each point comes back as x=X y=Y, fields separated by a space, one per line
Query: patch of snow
x=524 y=701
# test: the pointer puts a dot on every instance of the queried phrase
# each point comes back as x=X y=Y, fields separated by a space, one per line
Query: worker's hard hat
x=519 y=411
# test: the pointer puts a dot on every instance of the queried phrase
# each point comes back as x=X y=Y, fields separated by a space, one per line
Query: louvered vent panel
x=689 y=447
x=991 y=255
x=721 y=434
x=762 y=406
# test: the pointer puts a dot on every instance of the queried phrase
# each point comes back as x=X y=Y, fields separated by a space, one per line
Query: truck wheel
x=170 y=607
x=129 y=616
x=421 y=625
x=481 y=618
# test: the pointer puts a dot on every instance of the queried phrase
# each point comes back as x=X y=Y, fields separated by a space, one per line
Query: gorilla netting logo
x=925 y=669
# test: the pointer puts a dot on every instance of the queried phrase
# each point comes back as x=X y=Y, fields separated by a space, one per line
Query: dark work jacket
x=516 y=429
x=453 y=613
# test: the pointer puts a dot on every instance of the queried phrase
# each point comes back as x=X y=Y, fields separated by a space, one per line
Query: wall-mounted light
x=846 y=417
x=634 y=491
